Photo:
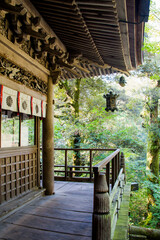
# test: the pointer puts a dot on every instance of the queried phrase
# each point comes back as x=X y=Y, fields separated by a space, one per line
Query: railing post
x=101 y=223
x=90 y=164
x=65 y=164
x=123 y=165
x=70 y=172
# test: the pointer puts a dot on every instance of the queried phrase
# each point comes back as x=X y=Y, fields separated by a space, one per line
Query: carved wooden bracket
x=10 y=8
x=55 y=76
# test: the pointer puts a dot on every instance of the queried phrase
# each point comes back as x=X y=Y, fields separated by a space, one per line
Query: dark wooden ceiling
x=92 y=28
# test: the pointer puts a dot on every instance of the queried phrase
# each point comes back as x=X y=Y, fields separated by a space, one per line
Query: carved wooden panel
x=18 y=172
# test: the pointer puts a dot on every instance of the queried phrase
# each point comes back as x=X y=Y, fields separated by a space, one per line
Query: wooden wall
x=18 y=171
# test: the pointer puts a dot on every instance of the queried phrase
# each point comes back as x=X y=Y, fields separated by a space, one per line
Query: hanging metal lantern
x=111 y=101
x=122 y=81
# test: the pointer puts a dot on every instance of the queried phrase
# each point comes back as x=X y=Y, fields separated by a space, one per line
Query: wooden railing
x=109 y=180
x=70 y=172
x=108 y=191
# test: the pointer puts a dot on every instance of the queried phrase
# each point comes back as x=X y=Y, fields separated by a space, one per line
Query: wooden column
x=48 y=139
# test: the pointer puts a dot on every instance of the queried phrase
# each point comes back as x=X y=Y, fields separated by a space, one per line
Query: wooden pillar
x=48 y=139
x=101 y=223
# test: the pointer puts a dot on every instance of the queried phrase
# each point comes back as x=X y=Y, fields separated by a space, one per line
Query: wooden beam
x=122 y=15
x=105 y=66
x=80 y=68
x=51 y=51
x=15 y=55
x=29 y=31
x=95 y=3
x=30 y=8
x=21 y=88
x=98 y=8
x=72 y=72
x=10 y=8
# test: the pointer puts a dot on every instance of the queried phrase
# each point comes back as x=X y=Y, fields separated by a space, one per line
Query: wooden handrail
x=103 y=163
x=86 y=149
x=68 y=168
x=101 y=224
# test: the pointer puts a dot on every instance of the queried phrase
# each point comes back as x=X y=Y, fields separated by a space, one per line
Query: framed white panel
x=9 y=99
x=25 y=104
x=36 y=107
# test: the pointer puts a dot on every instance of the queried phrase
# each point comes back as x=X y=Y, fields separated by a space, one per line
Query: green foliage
x=139 y=206
x=155 y=208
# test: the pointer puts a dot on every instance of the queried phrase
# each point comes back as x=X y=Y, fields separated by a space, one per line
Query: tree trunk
x=153 y=141
x=77 y=134
x=153 y=147
x=76 y=98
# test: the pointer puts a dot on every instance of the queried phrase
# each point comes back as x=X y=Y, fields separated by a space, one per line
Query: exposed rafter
x=82 y=38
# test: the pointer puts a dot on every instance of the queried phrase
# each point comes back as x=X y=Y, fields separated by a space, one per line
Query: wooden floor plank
x=58 y=213
x=67 y=215
x=25 y=233
x=51 y=224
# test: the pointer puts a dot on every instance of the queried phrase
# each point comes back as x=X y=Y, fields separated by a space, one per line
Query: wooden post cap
x=101 y=183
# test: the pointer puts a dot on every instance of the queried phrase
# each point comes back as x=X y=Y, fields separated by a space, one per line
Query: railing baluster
x=116 y=166
x=108 y=176
x=66 y=164
x=70 y=172
x=113 y=172
x=90 y=164
x=118 y=163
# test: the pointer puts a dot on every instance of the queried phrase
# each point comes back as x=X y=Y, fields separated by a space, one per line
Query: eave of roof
x=85 y=38
x=91 y=28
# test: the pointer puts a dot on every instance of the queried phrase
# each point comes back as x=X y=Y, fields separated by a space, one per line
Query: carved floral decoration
x=19 y=75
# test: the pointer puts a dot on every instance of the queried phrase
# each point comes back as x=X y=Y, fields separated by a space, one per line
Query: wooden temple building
x=41 y=42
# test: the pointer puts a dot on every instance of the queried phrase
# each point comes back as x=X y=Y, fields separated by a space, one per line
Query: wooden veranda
x=65 y=215
x=77 y=210
x=42 y=43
